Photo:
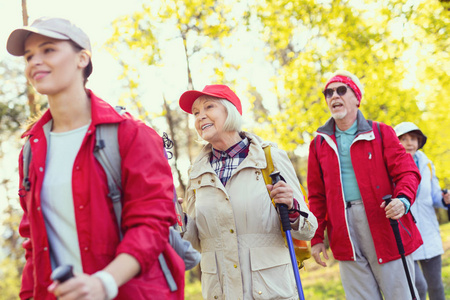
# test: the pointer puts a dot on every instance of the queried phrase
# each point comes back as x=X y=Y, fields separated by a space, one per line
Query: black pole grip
x=282 y=208
x=387 y=199
x=62 y=273
x=394 y=224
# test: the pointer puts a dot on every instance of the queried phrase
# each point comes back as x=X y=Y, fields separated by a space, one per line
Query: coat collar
x=362 y=125
x=255 y=159
x=101 y=113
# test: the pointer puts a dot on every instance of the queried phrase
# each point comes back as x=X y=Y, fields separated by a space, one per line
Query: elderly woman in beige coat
x=232 y=220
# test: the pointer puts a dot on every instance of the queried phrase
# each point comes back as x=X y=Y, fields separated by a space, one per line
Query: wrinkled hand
x=395 y=210
x=315 y=252
x=446 y=198
x=80 y=287
x=282 y=193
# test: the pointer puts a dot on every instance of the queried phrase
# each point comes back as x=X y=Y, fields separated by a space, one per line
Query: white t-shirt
x=57 y=198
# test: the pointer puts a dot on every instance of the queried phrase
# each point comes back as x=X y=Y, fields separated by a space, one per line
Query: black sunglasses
x=341 y=91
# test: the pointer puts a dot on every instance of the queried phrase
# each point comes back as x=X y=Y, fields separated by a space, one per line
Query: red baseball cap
x=216 y=90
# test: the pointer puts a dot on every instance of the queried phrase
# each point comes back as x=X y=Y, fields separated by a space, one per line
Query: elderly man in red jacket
x=352 y=164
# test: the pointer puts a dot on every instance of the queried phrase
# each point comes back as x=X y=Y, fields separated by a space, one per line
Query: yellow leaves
x=397 y=49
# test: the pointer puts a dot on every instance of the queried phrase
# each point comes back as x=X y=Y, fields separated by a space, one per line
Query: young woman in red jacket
x=68 y=217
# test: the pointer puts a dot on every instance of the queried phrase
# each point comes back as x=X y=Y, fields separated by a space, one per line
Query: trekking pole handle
x=282 y=208
x=62 y=273
x=387 y=199
x=394 y=224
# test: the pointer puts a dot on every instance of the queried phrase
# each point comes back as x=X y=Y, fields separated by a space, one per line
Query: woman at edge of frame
x=428 y=277
x=68 y=217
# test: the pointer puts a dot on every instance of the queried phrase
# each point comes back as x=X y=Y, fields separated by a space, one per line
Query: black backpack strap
x=371 y=123
x=318 y=139
x=379 y=132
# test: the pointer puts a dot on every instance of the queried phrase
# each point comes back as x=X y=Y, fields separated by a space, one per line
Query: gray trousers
x=365 y=278
x=429 y=277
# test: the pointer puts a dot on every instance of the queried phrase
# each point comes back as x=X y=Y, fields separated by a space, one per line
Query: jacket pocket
x=272 y=273
x=211 y=288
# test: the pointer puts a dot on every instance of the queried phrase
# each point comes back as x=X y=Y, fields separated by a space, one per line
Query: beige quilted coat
x=237 y=229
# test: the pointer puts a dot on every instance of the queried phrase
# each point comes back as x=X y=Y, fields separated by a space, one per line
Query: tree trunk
x=171 y=123
x=31 y=94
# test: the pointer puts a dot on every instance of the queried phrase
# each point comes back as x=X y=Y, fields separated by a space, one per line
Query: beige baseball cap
x=56 y=28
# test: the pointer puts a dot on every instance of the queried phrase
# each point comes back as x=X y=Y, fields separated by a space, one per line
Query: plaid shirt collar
x=239 y=148
x=225 y=162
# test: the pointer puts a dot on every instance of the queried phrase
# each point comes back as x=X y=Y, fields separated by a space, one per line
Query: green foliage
x=12 y=98
x=193 y=290
x=9 y=280
x=399 y=49
x=395 y=48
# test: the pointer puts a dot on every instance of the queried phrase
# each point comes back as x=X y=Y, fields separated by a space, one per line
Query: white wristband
x=109 y=284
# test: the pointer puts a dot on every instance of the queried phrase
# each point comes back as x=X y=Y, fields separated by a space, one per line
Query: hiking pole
x=286 y=224
x=62 y=273
x=445 y=191
x=394 y=224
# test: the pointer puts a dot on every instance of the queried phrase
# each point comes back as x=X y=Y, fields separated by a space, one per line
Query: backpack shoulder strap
x=372 y=124
x=107 y=153
x=268 y=169
x=431 y=170
x=318 y=139
x=317 y=144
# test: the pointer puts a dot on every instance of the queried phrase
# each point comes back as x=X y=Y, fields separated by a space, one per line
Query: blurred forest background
x=399 y=49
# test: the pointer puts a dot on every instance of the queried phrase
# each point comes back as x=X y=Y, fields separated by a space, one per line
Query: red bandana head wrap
x=347 y=81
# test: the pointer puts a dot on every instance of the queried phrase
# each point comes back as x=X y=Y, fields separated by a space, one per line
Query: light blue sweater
x=428 y=197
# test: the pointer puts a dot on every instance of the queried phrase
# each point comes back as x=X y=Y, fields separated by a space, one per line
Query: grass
x=325 y=283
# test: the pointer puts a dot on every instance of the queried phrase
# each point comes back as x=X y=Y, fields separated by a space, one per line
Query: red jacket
x=373 y=168
x=148 y=209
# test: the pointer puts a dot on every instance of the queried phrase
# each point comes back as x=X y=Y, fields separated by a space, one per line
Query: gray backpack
x=107 y=153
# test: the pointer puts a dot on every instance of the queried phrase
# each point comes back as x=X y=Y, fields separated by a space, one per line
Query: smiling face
x=342 y=107
x=410 y=141
x=53 y=66
x=210 y=116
